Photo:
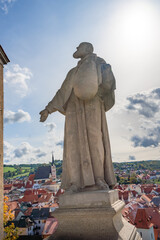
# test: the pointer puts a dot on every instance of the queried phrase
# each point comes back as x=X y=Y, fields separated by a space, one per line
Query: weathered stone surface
x=88 y=210
x=100 y=221
x=3 y=60
x=1 y=148
x=90 y=199
x=84 y=97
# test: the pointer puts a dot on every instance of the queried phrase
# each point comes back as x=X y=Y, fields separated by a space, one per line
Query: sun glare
x=135 y=25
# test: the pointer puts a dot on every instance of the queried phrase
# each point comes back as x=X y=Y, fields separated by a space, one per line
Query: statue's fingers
x=42 y=120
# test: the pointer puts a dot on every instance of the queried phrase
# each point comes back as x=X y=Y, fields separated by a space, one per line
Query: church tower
x=53 y=169
x=52 y=159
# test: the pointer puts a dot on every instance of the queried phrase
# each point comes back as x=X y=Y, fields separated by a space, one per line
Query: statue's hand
x=44 y=114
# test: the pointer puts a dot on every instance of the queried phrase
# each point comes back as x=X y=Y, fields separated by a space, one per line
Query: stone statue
x=84 y=97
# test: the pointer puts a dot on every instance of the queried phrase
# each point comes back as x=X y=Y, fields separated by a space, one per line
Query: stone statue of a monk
x=84 y=97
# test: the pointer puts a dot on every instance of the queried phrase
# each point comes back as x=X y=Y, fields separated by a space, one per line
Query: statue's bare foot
x=101 y=184
x=72 y=189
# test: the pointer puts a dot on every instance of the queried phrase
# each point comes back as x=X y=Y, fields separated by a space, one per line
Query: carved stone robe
x=87 y=153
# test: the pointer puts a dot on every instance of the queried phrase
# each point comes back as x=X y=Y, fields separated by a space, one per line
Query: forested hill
x=22 y=170
x=139 y=165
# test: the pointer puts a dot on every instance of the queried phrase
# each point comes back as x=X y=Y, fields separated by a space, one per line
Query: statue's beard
x=77 y=54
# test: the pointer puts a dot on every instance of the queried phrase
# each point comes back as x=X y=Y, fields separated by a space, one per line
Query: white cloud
x=16 y=78
x=134 y=126
x=145 y=103
x=24 y=149
x=131 y=157
x=5 y=4
x=23 y=153
x=8 y=148
x=19 y=116
x=145 y=107
x=50 y=126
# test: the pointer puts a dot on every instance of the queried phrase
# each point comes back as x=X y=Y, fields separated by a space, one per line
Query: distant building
x=46 y=173
x=39 y=216
x=156 y=201
x=53 y=168
x=144 y=225
x=36 y=186
x=50 y=227
x=146 y=219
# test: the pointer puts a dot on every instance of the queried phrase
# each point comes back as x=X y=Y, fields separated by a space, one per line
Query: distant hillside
x=138 y=165
x=22 y=170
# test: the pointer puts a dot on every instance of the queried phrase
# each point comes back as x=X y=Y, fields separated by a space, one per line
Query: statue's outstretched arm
x=44 y=114
x=48 y=110
x=58 y=101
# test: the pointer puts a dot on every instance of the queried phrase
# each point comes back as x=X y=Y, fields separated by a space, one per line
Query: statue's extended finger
x=41 y=112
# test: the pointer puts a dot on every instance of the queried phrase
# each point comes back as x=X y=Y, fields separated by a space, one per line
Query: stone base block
x=92 y=216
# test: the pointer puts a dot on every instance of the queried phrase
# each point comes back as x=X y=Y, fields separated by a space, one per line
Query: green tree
x=10 y=232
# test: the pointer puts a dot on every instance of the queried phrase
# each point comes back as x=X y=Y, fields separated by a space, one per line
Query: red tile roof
x=45 y=197
x=157 y=189
x=118 y=187
x=146 y=198
x=28 y=211
x=31 y=177
x=16 y=212
x=150 y=196
x=134 y=193
x=155 y=216
x=12 y=205
x=50 y=226
x=49 y=183
x=35 y=191
x=52 y=205
x=29 y=198
x=125 y=195
x=36 y=197
x=18 y=185
x=60 y=191
x=129 y=212
x=143 y=220
x=120 y=193
x=8 y=186
x=29 y=184
x=148 y=189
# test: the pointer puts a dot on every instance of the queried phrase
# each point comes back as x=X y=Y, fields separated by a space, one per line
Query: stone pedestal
x=92 y=216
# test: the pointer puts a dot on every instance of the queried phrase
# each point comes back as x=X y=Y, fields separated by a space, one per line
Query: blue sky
x=40 y=36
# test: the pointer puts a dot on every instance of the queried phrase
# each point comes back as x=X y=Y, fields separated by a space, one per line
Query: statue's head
x=83 y=49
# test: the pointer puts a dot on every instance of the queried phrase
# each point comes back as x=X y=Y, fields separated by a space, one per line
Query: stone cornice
x=3 y=57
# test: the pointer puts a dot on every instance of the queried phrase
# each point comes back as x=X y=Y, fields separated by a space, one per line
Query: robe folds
x=87 y=152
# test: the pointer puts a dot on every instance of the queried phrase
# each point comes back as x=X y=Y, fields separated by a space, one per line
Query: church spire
x=52 y=159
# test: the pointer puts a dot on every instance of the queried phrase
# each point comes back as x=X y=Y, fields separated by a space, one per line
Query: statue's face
x=81 y=51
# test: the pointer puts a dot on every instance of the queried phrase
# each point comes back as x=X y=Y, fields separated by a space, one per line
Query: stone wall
x=1 y=149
